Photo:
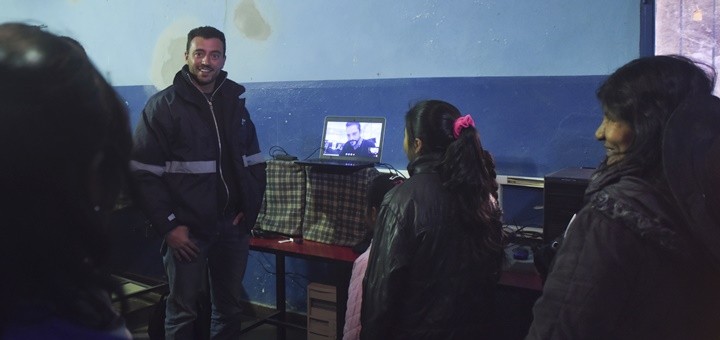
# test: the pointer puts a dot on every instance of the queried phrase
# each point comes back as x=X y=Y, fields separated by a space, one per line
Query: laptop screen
x=353 y=138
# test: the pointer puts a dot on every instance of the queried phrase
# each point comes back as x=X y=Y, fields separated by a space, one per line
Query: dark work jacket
x=421 y=280
x=362 y=151
x=627 y=270
x=181 y=176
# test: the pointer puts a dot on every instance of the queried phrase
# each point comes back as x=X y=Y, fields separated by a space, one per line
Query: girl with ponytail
x=437 y=250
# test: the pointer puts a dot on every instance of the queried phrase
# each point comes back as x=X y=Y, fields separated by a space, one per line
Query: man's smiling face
x=205 y=59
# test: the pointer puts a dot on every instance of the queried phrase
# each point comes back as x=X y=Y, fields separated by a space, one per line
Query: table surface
x=307 y=249
x=530 y=281
x=329 y=252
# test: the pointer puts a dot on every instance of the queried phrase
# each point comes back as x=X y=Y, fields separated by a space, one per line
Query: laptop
x=350 y=143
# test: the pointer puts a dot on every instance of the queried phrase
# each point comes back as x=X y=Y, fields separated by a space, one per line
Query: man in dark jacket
x=633 y=264
x=356 y=145
x=200 y=178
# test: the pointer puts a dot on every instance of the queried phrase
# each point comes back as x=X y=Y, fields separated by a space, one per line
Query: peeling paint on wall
x=169 y=52
x=250 y=22
x=689 y=29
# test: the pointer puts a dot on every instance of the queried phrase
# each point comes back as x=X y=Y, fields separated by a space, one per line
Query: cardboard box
x=321 y=311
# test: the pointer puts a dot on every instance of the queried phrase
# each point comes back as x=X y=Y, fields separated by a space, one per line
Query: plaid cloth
x=335 y=206
x=283 y=204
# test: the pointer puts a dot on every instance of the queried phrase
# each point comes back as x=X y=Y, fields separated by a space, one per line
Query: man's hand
x=183 y=248
x=238 y=218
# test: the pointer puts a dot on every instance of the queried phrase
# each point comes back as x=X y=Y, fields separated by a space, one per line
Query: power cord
x=515 y=236
x=278 y=153
x=312 y=153
x=393 y=171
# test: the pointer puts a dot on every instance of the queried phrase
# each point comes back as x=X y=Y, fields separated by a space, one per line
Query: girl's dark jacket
x=422 y=281
x=628 y=270
x=194 y=156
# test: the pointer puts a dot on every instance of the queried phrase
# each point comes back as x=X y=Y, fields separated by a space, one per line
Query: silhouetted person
x=200 y=179
x=65 y=142
x=437 y=250
x=377 y=188
x=640 y=260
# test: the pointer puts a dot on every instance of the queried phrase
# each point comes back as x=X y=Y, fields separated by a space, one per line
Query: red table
x=341 y=256
x=344 y=258
x=524 y=280
x=307 y=249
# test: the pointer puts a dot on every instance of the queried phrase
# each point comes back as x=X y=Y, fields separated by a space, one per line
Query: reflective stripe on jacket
x=177 y=163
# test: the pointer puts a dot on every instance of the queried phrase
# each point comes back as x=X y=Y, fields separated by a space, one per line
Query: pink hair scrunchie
x=461 y=123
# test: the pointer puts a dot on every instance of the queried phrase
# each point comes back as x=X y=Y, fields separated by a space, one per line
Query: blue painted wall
x=532 y=125
x=525 y=70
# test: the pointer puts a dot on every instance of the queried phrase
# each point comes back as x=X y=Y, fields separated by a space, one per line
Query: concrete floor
x=140 y=309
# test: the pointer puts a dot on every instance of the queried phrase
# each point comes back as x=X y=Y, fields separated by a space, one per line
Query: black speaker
x=563 y=197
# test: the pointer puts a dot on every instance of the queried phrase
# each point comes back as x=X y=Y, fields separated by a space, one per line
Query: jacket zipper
x=219 y=140
x=220 y=147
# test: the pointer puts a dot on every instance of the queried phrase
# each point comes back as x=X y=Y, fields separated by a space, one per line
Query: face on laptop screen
x=354 y=139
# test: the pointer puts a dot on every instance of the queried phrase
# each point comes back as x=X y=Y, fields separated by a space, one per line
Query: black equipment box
x=563 y=197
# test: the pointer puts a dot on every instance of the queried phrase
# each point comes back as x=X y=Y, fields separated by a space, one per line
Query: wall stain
x=169 y=53
x=176 y=59
x=250 y=22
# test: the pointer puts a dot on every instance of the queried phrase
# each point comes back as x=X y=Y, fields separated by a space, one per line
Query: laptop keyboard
x=338 y=162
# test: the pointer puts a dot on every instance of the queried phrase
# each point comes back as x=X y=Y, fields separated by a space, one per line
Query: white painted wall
x=141 y=42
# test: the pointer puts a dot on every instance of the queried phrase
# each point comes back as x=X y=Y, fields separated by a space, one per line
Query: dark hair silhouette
x=643 y=93
x=65 y=141
x=205 y=32
x=467 y=171
x=349 y=124
x=379 y=186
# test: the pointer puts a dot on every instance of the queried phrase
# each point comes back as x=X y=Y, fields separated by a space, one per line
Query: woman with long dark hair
x=437 y=250
x=640 y=261
x=65 y=146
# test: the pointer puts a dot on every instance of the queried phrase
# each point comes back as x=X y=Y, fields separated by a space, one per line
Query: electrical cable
x=312 y=153
x=276 y=150
x=393 y=171
x=290 y=275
